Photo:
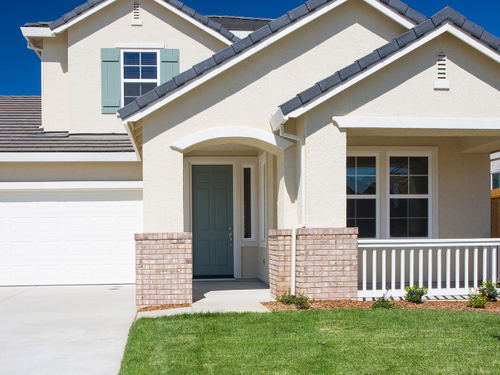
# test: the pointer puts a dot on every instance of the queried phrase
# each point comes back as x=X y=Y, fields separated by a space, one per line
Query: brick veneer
x=164 y=269
x=326 y=262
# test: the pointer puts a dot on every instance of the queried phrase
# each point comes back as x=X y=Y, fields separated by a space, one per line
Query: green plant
x=415 y=293
x=477 y=300
x=488 y=289
x=383 y=302
x=301 y=300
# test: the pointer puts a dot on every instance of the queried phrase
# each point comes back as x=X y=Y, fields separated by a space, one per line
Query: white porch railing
x=445 y=267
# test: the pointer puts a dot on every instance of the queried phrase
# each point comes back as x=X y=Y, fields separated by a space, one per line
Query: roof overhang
x=400 y=19
x=348 y=122
x=37 y=32
x=68 y=156
x=279 y=118
x=233 y=134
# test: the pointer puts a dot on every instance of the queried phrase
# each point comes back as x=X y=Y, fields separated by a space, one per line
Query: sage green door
x=213 y=254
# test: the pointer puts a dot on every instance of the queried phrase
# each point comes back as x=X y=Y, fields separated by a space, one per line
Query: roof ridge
x=445 y=15
x=253 y=38
x=83 y=8
x=242 y=17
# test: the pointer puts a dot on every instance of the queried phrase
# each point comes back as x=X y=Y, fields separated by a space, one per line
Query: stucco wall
x=248 y=94
x=406 y=87
x=103 y=171
x=104 y=29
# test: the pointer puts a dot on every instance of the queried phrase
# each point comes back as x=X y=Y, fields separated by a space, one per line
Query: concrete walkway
x=222 y=296
x=64 y=329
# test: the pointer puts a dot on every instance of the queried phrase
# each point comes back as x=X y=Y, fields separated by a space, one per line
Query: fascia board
x=246 y=54
x=391 y=14
x=79 y=18
x=452 y=29
x=68 y=156
x=416 y=123
x=193 y=21
x=71 y=185
x=37 y=32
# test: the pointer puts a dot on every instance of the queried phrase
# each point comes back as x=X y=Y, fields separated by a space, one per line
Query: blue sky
x=20 y=74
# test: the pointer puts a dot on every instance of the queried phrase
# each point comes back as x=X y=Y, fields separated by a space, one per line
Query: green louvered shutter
x=110 y=80
x=169 y=61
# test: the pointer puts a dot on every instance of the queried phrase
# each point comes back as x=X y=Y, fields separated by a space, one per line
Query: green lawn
x=316 y=342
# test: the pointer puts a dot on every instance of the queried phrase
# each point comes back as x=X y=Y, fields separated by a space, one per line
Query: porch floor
x=222 y=296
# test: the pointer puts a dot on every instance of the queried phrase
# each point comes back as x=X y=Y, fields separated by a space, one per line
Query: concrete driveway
x=64 y=329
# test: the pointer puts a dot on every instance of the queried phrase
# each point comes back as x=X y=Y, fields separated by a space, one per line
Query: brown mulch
x=163 y=307
x=492 y=307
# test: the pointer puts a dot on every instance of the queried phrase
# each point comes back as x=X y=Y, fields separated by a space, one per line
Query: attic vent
x=442 y=83
x=136 y=21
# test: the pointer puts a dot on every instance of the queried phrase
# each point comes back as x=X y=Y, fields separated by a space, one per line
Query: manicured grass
x=316 y=342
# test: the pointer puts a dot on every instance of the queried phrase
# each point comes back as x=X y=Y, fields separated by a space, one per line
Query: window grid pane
x=361 y=175
x=409 y=175
x=139 y=66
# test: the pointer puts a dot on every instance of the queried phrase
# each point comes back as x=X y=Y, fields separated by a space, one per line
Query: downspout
x=302 y=224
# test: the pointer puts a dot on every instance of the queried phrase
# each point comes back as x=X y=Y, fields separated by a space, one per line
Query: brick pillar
x=326 y=263
x=164 y=269
x=279 y=244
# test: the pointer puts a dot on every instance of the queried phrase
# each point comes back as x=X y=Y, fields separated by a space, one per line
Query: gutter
x=293 y=261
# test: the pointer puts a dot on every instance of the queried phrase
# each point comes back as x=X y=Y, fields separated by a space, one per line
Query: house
x=253 y=148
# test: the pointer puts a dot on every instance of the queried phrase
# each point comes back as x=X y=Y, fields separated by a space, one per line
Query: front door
x=213 y=221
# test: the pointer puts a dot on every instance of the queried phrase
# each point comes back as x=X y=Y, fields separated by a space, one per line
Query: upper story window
x=140 y=74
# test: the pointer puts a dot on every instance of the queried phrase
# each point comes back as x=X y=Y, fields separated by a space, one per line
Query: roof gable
x=92 y=6
x=253 y=43
x=447 y=20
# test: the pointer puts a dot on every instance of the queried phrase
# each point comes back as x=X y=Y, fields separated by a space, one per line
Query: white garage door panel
x=64 y=238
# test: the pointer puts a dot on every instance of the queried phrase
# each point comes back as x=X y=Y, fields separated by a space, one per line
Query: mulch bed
x=492 y=307
x=163 y=307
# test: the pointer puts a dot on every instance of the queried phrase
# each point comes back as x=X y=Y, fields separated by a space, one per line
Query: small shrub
x=477 y=300
x=301 y=300
x=383 y=302
x=488 y=289
x=415 y=293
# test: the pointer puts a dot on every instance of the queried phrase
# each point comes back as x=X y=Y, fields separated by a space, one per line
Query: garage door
x=69 y=237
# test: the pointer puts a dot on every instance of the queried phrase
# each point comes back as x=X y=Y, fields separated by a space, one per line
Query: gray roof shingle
x=252 y=39
x=447 y=14
x=234 y=23
x=82 y=9
x=21 y=131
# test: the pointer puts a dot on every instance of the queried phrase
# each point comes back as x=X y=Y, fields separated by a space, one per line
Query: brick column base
x=164 y=269
x=326 y=262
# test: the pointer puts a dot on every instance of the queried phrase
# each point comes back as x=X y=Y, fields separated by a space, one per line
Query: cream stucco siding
x=104 y=29
x=248 y=93
x=406 y=87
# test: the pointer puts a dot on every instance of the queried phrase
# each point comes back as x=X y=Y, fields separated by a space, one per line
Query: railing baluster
x=364 y=269
x=384 y=270
x=494 y=264
x=466 y=268
x=402 y=272
x=429 y=270
x=457 y=268
x=374 y=269
x=439 y=269
x=485 y=263
x=412 y=269
x=448 y=268
x=393 y=269
x=476 y=266
x=421 y=267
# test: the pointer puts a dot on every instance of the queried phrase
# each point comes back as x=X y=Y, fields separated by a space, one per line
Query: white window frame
x=428 y=196
x=383 y=179
x=123 y=80
x=263 y=199
x=376 y=155
x=253 y=204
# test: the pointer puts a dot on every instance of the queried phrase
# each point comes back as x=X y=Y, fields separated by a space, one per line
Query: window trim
x=123 y=80
x=263 y=200
x=376 y=155
x=383 y=163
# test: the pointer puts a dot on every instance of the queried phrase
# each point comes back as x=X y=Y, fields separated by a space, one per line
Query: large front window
x=140 y=74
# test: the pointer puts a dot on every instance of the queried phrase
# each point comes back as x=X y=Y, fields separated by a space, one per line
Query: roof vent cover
x=136 y=20
x=442 y=83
